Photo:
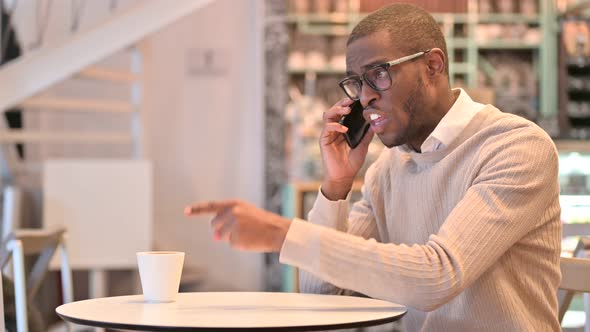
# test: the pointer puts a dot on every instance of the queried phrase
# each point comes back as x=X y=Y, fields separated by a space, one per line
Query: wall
x=202 y=116
x=205 y=130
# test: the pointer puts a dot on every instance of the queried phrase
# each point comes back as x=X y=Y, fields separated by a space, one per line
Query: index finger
x=342 y=107
x=344 y=102
x=208 y=207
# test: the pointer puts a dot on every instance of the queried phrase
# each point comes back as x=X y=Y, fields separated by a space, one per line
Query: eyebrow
x=367 y=66
x=373 y=63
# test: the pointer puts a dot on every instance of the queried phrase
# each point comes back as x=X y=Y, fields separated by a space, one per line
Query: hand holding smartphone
x=356 y=124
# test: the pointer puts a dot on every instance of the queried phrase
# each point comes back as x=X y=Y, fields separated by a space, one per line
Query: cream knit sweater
x=468 y=237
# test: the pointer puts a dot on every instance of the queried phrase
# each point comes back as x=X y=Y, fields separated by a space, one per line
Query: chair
x=575 y=278
x=2 y=327
x=574 y=269
x=41 y=242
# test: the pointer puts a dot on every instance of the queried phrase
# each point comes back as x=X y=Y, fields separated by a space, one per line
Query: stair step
x=78 y=105
x=26 y=168
x=111 y=75
x=30 y=74
x=22 y=136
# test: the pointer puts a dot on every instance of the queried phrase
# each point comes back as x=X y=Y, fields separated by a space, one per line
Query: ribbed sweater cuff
x=302 y=241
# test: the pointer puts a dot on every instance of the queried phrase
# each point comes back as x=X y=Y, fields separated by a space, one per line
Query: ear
x=435 y=61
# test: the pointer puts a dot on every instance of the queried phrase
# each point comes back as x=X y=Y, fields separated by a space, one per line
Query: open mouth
x=374 y=117
x=376 y=120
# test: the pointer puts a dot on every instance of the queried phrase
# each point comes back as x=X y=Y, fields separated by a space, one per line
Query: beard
x=415 y=100
x=413 y=105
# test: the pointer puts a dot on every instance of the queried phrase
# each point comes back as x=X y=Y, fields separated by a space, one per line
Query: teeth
x=375 y=116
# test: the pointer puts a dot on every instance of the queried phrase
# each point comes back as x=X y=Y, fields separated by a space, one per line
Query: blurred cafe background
x=118 y=113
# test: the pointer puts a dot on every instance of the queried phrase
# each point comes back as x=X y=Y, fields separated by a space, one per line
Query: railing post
x=20 y=294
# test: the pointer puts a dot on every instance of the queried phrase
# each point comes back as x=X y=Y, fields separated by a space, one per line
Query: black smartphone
x=356 y=124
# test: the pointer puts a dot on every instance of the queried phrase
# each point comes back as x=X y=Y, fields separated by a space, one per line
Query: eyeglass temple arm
x=407 y=58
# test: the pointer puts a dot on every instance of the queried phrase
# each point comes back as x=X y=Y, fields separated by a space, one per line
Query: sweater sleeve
x=515 y=191
x=335 y=215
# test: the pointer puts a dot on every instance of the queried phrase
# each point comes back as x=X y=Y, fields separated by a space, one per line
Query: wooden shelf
x=329 y=18
x=508 y=18
x=508 y=45
x=460 y=68
x=295 y=192
x=457 y=42
x=347 y=18
x=570 y=145
x=323 y=71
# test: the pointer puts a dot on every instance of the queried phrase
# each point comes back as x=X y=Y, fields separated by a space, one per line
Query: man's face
x=395 y=111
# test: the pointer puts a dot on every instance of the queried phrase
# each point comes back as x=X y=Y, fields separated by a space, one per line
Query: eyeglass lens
x=352 y=88
x=377 y=78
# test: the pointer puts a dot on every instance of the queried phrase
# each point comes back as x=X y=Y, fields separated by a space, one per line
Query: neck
x=443 y=102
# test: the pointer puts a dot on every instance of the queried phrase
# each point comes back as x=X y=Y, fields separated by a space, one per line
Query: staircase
x=24 y=80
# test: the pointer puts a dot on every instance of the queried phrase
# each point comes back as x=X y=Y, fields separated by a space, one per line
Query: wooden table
x=225 y=311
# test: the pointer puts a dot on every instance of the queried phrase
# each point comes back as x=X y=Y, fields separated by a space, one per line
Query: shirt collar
x=451 y=125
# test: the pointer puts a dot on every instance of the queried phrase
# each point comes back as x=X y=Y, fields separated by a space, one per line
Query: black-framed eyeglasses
x=377 y=77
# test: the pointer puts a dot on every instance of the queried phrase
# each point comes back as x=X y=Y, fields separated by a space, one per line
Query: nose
x=367 y=95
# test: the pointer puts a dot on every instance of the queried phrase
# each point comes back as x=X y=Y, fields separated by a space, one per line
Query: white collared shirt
x=451 y=125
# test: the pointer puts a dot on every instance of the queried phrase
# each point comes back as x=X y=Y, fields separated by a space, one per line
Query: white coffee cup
x=160 y=273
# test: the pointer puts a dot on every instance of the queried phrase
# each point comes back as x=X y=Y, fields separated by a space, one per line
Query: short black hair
x=410 y=27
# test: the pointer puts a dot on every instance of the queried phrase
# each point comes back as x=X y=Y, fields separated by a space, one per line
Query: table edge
x=374 y=322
